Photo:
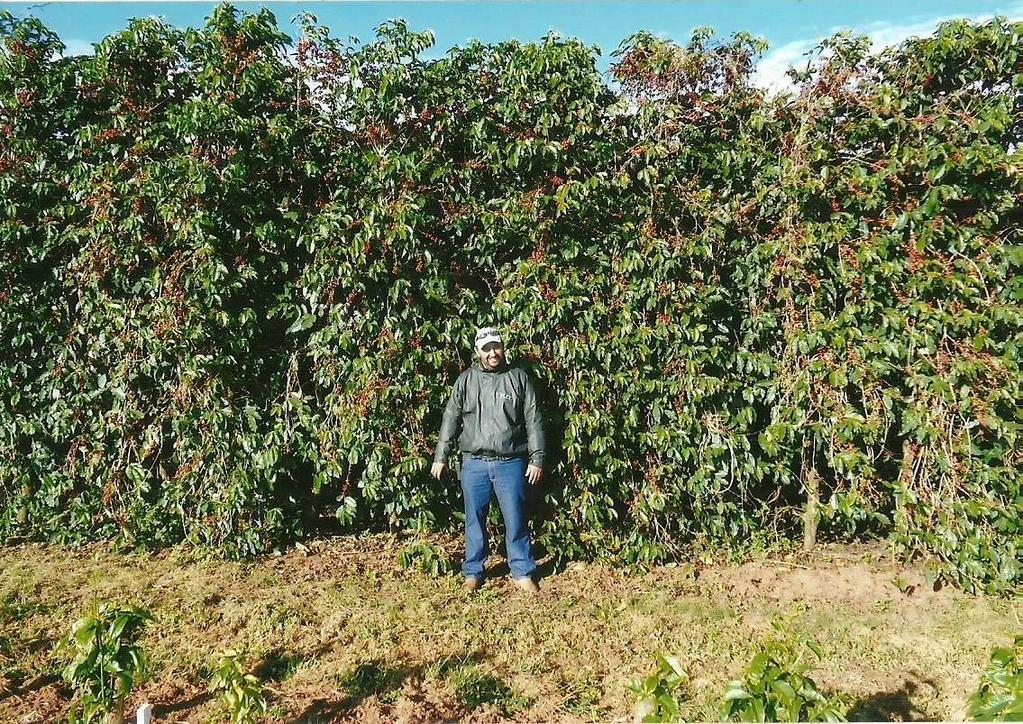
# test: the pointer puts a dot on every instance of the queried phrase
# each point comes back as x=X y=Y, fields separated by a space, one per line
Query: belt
x=490 y=457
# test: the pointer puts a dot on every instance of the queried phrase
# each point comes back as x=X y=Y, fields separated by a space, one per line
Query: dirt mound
x=857 y=584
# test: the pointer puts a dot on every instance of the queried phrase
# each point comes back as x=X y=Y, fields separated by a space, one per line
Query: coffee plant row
x=777 y=687
x=239 y=275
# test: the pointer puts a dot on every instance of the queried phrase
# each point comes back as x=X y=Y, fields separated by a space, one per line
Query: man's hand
x=438 y=470
x=534 y=474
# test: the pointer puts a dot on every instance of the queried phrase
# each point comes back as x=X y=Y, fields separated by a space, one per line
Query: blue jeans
x=481 y=479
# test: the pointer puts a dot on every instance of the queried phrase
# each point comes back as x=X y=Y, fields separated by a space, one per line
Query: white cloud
x=76 y=46
x=770 y=71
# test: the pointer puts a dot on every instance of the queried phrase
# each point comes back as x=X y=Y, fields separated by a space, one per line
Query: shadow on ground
x=162 y=710
x=374 y=679
x=34 y=684
x=895 y=705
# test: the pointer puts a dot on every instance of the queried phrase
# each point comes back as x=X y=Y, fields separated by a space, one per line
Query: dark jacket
x=497 y=414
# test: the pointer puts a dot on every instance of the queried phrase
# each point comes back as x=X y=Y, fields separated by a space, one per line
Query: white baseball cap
x=486 y=335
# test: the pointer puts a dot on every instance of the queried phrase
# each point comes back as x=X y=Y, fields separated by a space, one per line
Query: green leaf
x=303 y=322
x=735 y=692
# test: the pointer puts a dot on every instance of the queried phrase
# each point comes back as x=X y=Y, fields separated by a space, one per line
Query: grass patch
x=475 y=687
x=373 y=679
x=340 y=630
x=277 y=666
x=583 y=698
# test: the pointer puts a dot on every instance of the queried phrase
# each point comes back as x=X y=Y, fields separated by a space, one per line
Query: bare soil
x=338 y=632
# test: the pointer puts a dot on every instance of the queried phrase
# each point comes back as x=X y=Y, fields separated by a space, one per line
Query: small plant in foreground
x=776 y=686
x=658 y=694
x=241 y=692
x=427 y=557
x=1000 y=696
x=106 y=662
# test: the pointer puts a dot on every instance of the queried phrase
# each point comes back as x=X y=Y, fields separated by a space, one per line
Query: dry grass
x=340 y=631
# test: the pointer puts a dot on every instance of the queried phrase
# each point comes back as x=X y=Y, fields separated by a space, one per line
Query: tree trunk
x=117 y=715
x=811 y=513
x=26 y=491
x=905 y=482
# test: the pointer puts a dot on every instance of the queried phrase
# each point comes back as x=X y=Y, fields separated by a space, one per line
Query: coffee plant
x=658 y=694
x=777 y=687
x=426 y=557
x=1000 y=695
x=238 y=277
x=105 y=660
x=241 y=693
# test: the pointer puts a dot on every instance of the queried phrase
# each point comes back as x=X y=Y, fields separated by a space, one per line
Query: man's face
x=492 y=355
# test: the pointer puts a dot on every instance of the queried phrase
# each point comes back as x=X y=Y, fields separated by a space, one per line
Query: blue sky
x=791 y=26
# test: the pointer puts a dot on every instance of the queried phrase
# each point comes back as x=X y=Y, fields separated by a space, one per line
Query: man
x=494 y=407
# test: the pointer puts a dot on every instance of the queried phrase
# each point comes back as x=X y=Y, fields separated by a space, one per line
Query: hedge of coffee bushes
x=239 y=275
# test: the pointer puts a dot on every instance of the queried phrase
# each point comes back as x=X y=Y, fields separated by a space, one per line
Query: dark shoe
x=471 y=584
x=526 y=584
